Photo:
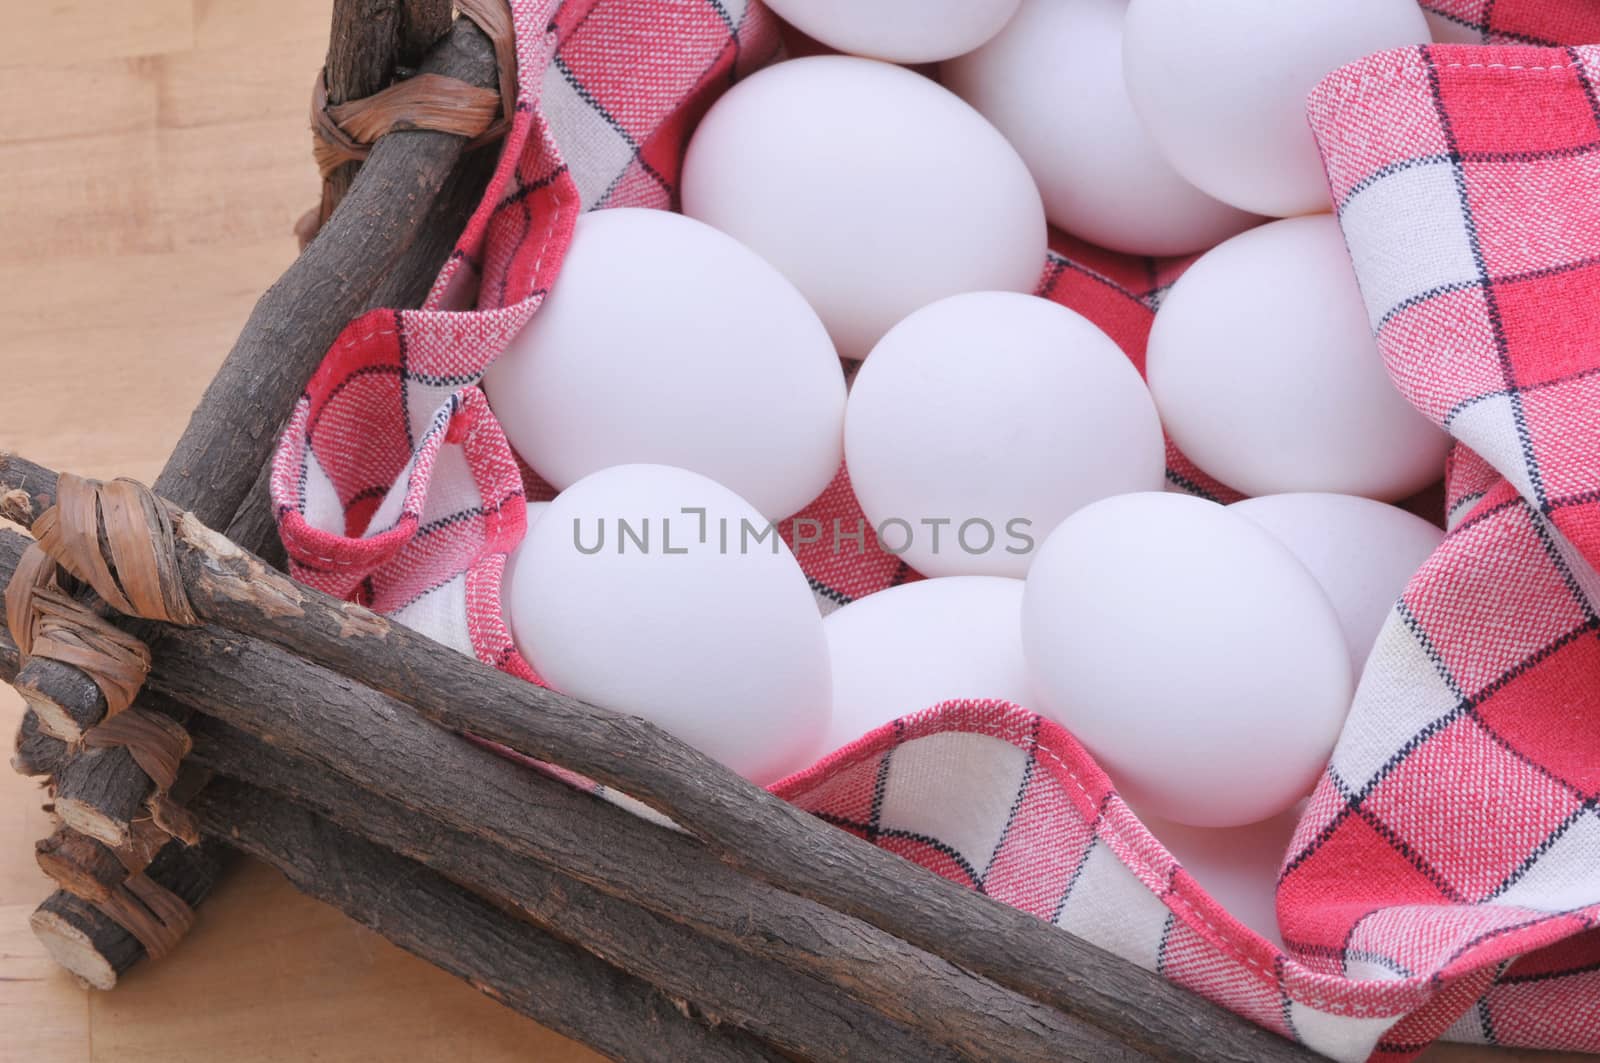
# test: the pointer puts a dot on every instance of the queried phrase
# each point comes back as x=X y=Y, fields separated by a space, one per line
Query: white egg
x=910 y=647
x=666 y=341
x=873 y=189
x=535 y=511
x=653 y=591
x=1264 y=368
x=1362 y=553
x=1191 y=653
x=1236 y=866
x=901 y=31
x=980 y=422
x=1222 y=86
x=1052 y=83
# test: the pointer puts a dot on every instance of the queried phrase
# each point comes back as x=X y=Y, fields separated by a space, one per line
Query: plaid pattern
x=1443 y=879
x=1542 y=22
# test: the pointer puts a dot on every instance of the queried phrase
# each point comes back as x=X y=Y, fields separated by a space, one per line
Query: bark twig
x=842 y=875
x=555 y=983
x=792 y=1011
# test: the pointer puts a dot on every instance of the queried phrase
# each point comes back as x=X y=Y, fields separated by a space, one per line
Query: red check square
x=1542 y=115
x=1044 y=846
x=1536 y=215
x=1441 y=351
x=1564 y=423
x=1405 y=135
x=1461 y=604
x=1550 y=323
x=617 y=55
x=1546 y=21
x=1551 y=713
x=1536 y=1012
x=1516 y=806
x=1315 y=904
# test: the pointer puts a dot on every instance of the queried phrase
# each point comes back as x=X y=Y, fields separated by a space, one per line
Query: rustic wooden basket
x=325 y=740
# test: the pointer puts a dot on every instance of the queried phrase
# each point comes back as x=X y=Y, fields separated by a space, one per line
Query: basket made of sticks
x=187 y=699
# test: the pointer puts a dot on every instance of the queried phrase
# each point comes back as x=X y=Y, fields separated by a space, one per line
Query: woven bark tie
x=345 y=132
x=47 y=622
x=145 y=840
x=155 y=916
x=157 y=743
x=117 y=538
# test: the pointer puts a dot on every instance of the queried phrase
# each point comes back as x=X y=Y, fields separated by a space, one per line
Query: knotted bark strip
x=122 y=773
x=117 y=538
x=158 y=743
x=50 y=624
x=88 y=868
x=345 y=132
x=143 y=844
x=155 y=916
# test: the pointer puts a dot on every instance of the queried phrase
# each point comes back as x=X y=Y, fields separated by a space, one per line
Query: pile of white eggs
x=684 y=387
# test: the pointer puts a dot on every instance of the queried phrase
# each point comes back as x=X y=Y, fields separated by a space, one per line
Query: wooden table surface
x=147 y=188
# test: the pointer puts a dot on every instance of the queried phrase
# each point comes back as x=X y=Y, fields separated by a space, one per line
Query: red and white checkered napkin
x=1445 y=879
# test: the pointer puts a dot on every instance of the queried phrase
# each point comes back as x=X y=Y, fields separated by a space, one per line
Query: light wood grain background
x=147 y=189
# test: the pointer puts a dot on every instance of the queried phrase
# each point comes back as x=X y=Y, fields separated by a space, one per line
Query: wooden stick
x=103 y=789
x=363 y=48
x=422 y=22
x=84 y=940
x=36 y=753
x=742 y=824
x=447 y=220
x=374 y=741
x=552 y=982
x=100 y=792
x=792 y=1011
x=254 y=522
x=66 y=701
x=228 y=442
x=250 y=400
